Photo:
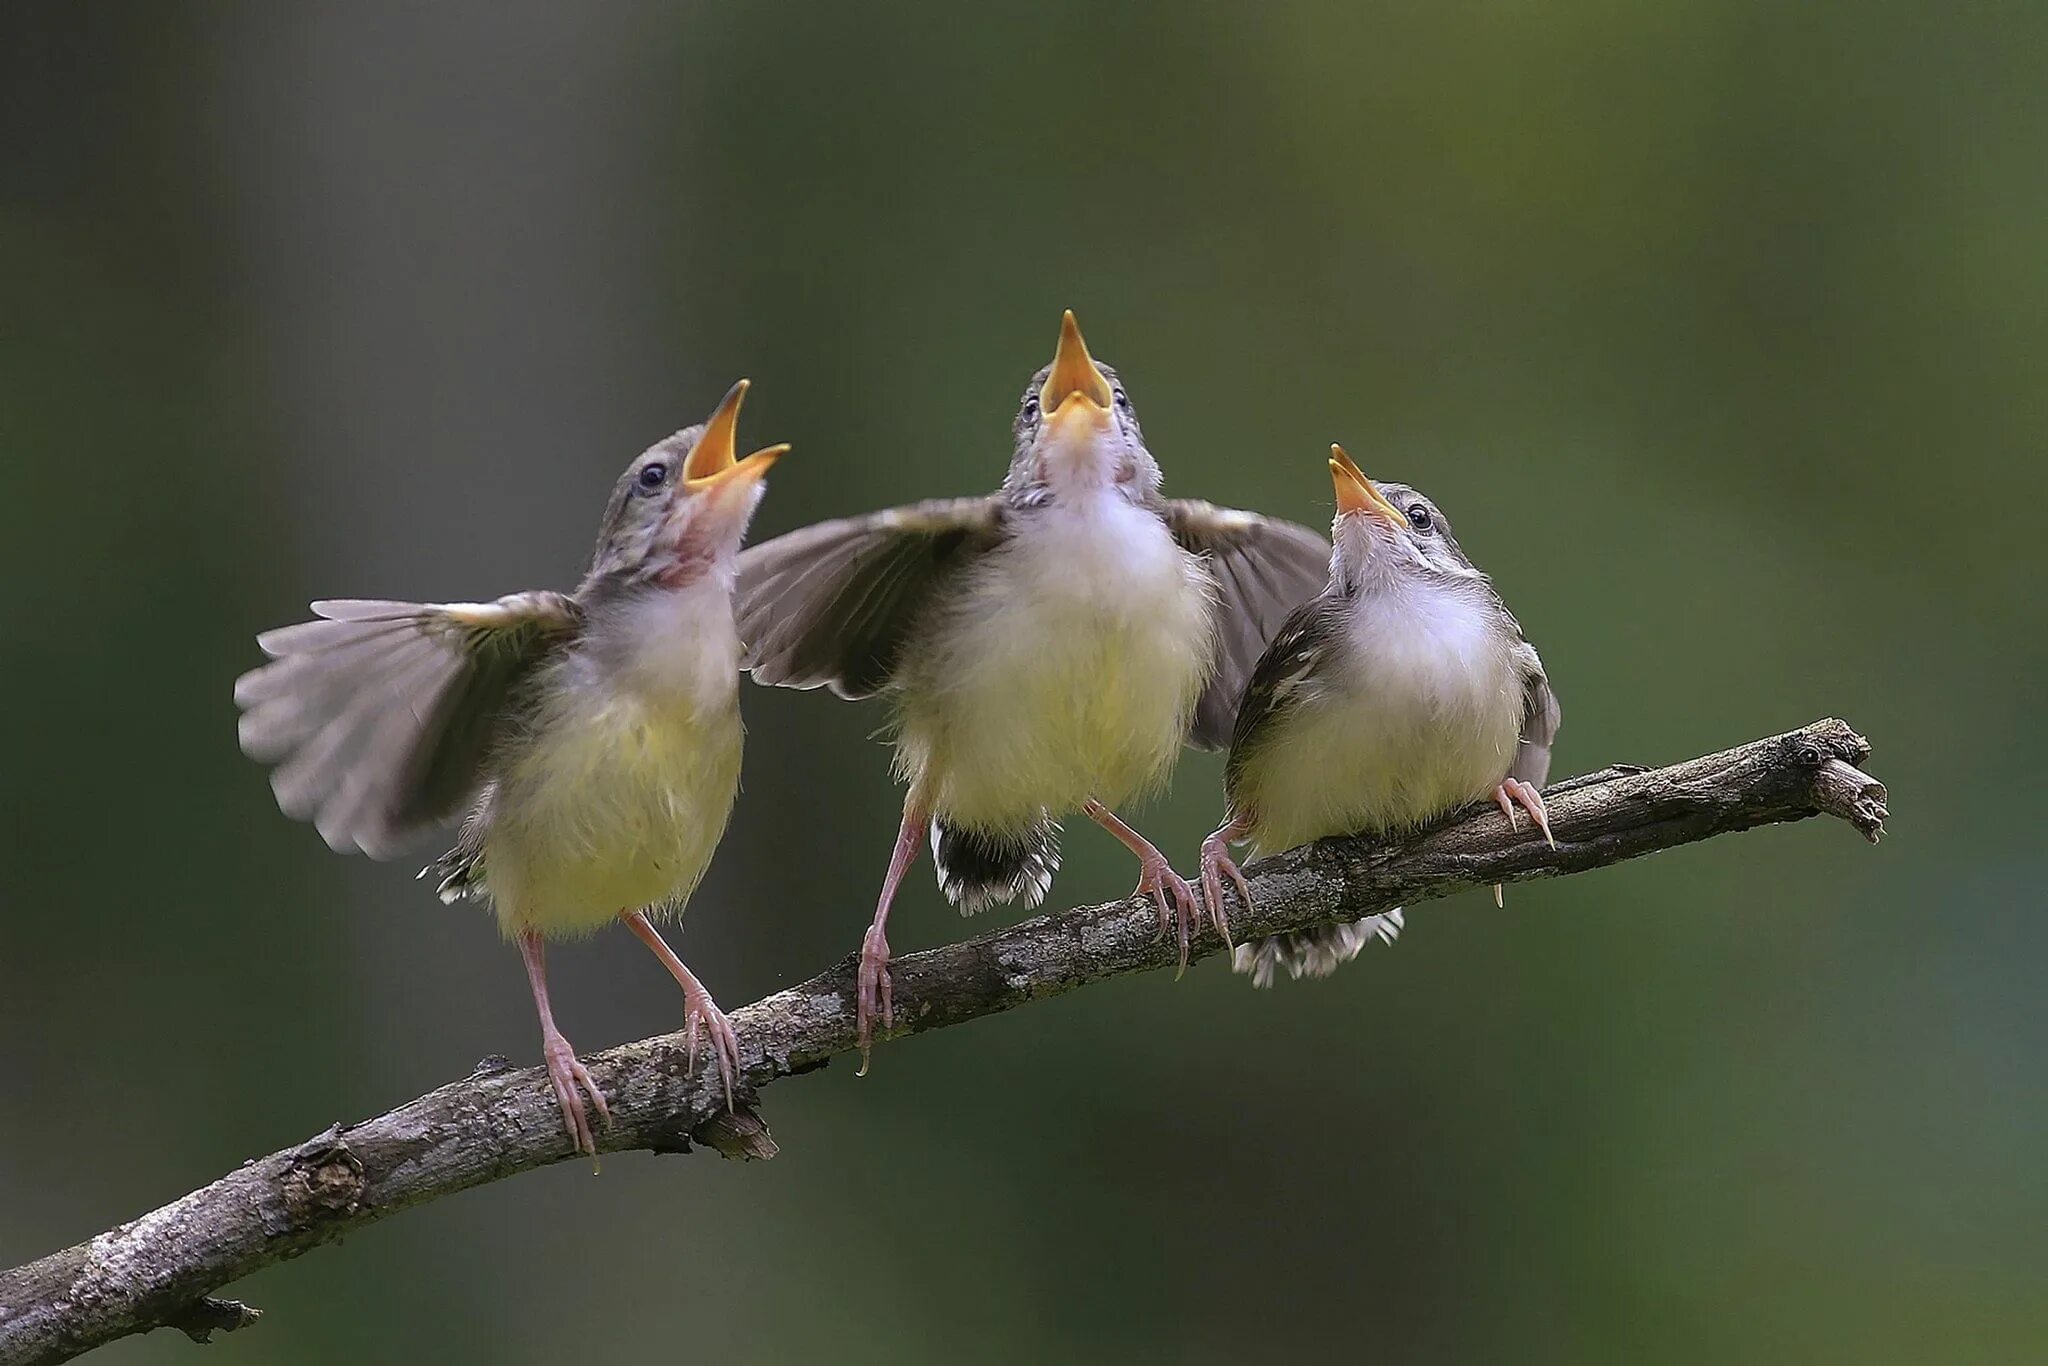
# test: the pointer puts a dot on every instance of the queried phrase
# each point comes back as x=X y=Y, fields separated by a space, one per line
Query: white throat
x=676 y=644
x=1077 y=458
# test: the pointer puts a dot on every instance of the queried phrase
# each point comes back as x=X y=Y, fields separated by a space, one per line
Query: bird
x=592 y=738
x=1402 y=691
x=1046 y=649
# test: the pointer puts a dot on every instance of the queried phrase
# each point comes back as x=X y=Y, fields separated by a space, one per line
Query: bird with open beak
x=1402 y=691
x=1047 y=648
x=592 y=737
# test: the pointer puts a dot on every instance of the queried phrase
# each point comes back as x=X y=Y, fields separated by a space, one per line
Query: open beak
x=1075 y=387
x=1356 y=493
x=711 y=463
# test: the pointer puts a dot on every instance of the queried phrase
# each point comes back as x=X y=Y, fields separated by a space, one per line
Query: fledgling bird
x=592 y=737
x=1047 y=649
x=1402 y=691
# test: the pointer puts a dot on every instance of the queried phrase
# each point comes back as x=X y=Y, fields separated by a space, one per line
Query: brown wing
x=1540 y=720
x=831 y=605
x=1278 y=682
x=1264 y=569
x=379 y=715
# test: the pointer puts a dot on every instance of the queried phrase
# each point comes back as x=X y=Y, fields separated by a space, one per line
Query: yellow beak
x=1074 y=376
x=711 y=461
x=1356 y=493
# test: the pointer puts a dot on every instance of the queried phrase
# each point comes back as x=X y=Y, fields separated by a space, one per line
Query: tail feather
x=459 y=873
x=1313 y=953
x=457 y=878
x=983 y=868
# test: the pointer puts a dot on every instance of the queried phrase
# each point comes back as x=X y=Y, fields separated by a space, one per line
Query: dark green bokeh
x=1717 y=328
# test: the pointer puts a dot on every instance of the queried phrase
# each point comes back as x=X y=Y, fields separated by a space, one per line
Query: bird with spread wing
x=1046 y=649
x=592 y=738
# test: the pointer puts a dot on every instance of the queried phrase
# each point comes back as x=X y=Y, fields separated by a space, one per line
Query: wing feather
x=379 y=715
x=1541 y=718
x=1264 y=568
x=831 y=605
x=1295 y=656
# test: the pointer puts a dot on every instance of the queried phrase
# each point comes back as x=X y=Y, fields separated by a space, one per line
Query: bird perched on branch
x=593 y=737
x=1048 y=648
x=1402 y=691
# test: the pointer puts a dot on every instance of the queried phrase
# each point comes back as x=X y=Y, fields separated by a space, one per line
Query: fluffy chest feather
x=621 y=787
x=1415 y=710
x=1066 y=668
x=675 y=648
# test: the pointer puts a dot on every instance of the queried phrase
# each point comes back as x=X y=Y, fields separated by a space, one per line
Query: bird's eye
x=1418 y=517
x=1123 y=400
x=652 y=476
x=1031 y=408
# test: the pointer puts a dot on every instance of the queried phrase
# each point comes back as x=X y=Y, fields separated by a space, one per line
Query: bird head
x=1387 y=528
x=683 y=505
x=1076 y=430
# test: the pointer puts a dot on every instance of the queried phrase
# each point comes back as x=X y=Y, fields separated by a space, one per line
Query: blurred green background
x=1718 y=329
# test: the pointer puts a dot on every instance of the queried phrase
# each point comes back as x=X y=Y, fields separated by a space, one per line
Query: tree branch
x=160 y=1270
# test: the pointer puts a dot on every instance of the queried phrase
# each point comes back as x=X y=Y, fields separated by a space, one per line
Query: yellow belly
x=610 y=809
x=1068 y=670
x=1339 y=774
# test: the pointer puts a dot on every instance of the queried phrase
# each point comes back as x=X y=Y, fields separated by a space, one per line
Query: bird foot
x=1512 y=793
x=700 y=1012
x=572 y=1081
x=1182 y=912
x=1217 y=864
x=873 y=995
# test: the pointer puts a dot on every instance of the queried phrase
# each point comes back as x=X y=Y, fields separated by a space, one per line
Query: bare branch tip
x=1850 y=794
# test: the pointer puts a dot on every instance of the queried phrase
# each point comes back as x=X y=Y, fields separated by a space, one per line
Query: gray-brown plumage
x=1402 y=691
x=371 y=775
x=593 y=738
x=1047 y=649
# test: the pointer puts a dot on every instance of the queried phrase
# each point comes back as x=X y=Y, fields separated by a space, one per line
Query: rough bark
x=161 y=1269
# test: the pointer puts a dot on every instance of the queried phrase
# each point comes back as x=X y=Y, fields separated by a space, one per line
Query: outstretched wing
x=378 y=716
x=1264 y=569
x=832 y=604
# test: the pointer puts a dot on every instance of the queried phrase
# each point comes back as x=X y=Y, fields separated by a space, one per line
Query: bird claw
x=701 y=1012
x=571 y=1081
x=1217 y=864
x=1513 y=792
x=1183 y=913
x=873 y=994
